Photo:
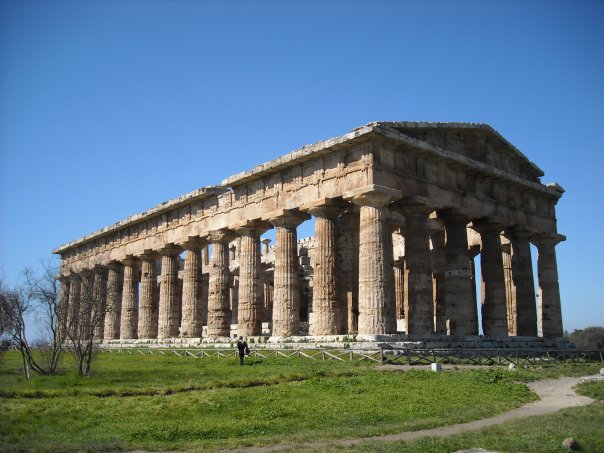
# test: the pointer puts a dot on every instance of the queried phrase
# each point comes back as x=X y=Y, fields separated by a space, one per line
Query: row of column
x=434 y=296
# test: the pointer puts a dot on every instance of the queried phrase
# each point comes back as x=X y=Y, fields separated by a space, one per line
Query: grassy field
x=167 y=402
x=542 y=434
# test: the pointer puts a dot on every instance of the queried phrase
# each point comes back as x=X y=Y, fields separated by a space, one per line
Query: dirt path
x=554 y=394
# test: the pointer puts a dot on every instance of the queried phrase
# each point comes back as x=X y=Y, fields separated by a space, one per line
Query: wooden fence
x=391 y=355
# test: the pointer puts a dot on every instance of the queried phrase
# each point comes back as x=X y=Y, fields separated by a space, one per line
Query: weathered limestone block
x=169 y=302
x=550 y=315
x=219 y=312
x=327 y=312
x=419 y=311
x=494 y=311
x=524 y=311
x=249 y=315
x=114 y=301
x=377 y=314
x=286 y=292
x=149 y=305
x=192 y=303
x=459 y=296
x=129 y=315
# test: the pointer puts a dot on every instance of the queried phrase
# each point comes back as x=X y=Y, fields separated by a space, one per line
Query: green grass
x=542 y=434
x=168 y=402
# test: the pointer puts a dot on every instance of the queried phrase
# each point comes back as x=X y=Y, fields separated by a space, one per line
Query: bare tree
x=14 y=305
x=83 y=320
x=51 y=308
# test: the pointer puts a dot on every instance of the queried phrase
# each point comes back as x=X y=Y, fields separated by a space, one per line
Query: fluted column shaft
x=73 y=320
x=376 y=291
x=169 y=307
x=439 y=267
x=524 y=310
x=461 y=316
x=100 y=295
x=249 y=315
x=550 y=314
x=63 y=314
x=192 y=307
x=129 y=316
x=88 y=304
x=114 y=302
x=219 y=311
x=399 y=288
x=326 y=307
x=148 y=310
x=286 y=291
x=419 y=311
x=348 y=269
x=494 y=311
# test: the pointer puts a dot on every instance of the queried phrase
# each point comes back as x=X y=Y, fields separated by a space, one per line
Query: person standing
x=243 y=349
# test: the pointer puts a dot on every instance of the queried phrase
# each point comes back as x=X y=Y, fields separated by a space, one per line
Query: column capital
x=487 y=225
x=518 y=233
x=373 y=195
x=192 y=243
x=169 y=249
x=287 y=218
x=130 y=260
x=252 y=228
x=113 y=265
x=551 y=239
x=327 y=208
x=148 y=255
x=414 y=209
x=453 y=216
x=223 y=235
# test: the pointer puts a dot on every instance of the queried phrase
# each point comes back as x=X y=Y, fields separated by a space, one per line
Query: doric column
x=63 y=314
x=377 y=313
x=399 y=287
x=114 y=301
x=75 y=286
x=458 y=276
x=506 y=256
x=286 y=291
x=550 y=315
x=327 y=314
x=494 y=311
x=249 y=315
x=265 y=246
x=169 y=306
x=419 y=311
x=267 y=307
x=439 y=267
x=88 y=304
x=192 y=306
x=100 y=295
x=524 y=311
x=129 y=317
x=348 y=269
x=149 y=307
x=219 y=312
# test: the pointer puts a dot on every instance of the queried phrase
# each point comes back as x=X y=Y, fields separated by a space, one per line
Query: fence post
x=381 y=355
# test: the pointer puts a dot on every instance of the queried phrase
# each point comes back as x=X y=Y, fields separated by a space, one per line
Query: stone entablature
x=434 y=185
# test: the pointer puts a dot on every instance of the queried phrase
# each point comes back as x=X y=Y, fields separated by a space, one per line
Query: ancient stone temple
x=403 y=212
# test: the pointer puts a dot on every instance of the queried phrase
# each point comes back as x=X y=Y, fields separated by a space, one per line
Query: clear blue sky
x=108 y=108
